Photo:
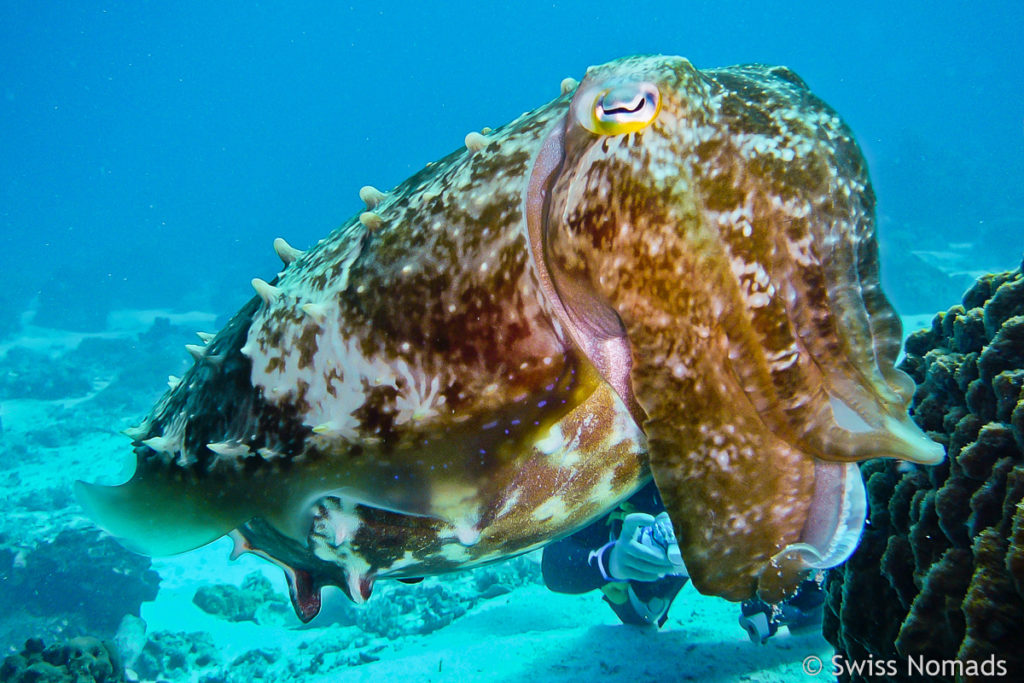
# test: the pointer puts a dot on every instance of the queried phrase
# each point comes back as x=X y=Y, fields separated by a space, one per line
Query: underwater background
x=151 y=152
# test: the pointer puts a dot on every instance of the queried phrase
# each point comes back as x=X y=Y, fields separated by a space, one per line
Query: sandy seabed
x=528 y=634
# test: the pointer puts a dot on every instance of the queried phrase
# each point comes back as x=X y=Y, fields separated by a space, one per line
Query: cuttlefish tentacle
x=850 y=270
x=817 y=266
x=845 y=352
x=816 y=349
x=818 y=356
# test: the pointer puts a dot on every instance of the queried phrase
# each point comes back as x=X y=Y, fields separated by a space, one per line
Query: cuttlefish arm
x=593 y=325
x=725 y=220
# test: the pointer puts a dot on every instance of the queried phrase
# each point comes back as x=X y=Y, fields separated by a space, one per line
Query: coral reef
x=169 y=656
x=138 y=375
x=254 y=601
x=351 y=634
x=402 y=609
x=80 y=660
x=25 y=373
x=80 y=582
x=172 y=656
x=941 y=562
x=101 y=384
x=418 y=609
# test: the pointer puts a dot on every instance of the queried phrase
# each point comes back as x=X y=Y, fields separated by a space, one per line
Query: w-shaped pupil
x=619 y=108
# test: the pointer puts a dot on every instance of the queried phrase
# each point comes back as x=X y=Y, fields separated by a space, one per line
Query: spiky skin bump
x=486 y=360
x=419 y=387
x=435 y=313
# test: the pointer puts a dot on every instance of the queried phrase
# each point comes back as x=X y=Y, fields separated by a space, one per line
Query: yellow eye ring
x=622 y=109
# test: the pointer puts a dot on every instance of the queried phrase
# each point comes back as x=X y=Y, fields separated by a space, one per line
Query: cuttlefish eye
x=622 y=109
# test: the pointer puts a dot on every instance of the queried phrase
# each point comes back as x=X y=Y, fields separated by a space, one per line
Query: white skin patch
x=722 y=457
x=455 y=552
x=467 y=533
x=553 y=509
x=509 y=504
x=552 y=442
x=785 y=362
x=354 y=566
x=406 y=560
x=624 y=429
x=456 y=504
x=419 y=400
x=355 y=569
x=603 y=489
x=332 y=402
x=561 y=453
x=344 y=522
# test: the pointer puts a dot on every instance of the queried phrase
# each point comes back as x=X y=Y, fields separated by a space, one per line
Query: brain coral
x=939 y=574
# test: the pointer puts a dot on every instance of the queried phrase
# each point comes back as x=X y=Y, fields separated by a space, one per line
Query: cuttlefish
x=664 y=272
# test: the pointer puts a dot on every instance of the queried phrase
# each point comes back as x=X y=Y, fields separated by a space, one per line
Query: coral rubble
x=169 y=655
x=80 y=660
x=939 y=574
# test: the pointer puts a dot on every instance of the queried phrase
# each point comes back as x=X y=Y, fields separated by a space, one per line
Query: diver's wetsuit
x=567 y=568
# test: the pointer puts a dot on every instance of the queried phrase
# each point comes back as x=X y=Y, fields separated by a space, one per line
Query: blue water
x=150 y=152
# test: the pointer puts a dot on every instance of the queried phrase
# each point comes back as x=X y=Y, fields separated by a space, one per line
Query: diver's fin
x=159 y=515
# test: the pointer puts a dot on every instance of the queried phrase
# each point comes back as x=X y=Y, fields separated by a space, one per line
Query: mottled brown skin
x=744 y=268
x=411 y=450
x=485 y=361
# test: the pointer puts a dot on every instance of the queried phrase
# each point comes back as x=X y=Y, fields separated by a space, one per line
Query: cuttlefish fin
x=156 y=514
x=165 y=509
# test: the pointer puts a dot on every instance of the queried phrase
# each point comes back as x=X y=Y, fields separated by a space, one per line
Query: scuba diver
x=632 y=556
